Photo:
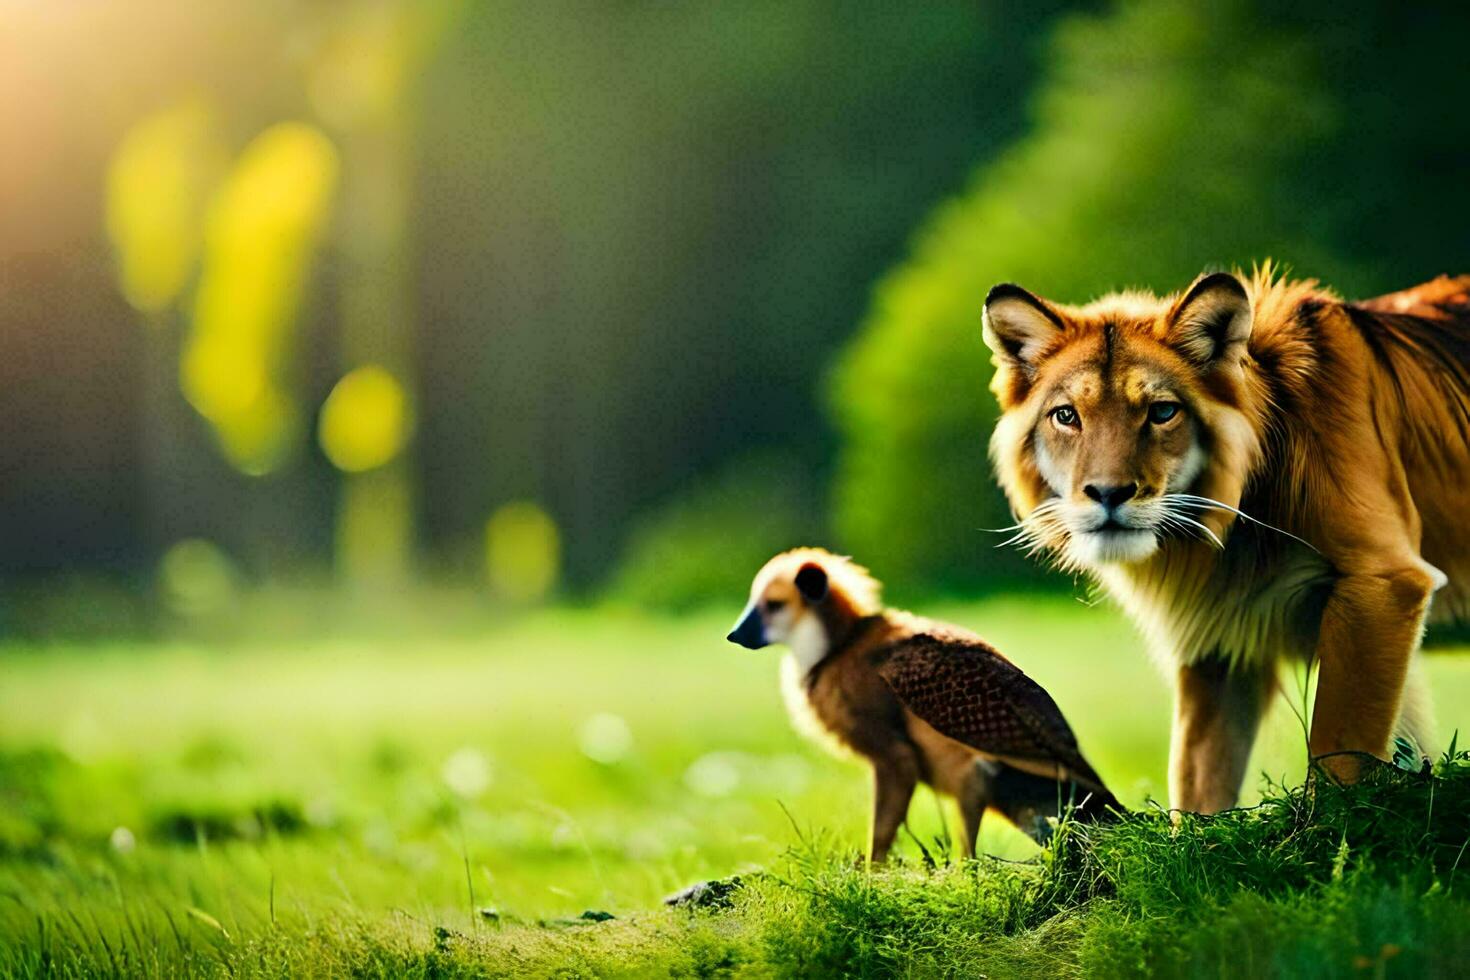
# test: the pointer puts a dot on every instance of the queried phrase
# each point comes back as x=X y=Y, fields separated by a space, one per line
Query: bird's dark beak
x=750 y=632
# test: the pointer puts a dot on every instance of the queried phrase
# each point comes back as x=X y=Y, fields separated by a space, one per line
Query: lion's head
x=1122 y=424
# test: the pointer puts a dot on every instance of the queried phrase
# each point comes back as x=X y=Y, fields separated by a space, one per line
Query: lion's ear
x=1018 y=326
x=1213 y=320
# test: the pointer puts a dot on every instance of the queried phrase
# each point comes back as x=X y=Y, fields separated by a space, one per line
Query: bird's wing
x=965 y=690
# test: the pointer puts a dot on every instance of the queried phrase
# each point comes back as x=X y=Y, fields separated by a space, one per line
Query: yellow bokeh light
x=158 y=181
x=226 y=376
x=260 y=235
x=260 y=439
x=522 y=552
x=365 y=420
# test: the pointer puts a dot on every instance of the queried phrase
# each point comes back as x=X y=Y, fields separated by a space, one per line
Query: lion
x=1256 y=470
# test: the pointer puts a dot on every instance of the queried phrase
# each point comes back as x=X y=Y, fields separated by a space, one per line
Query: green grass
x=272 y=811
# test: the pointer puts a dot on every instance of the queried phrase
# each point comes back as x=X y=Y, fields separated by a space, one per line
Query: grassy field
x=458 y=805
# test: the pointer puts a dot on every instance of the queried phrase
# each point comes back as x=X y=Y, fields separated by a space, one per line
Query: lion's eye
x=775 y=605
x=1065 y=415
x=1161 y=412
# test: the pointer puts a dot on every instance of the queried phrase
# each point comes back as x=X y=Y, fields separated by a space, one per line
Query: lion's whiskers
x=1174 y=517
x=1195 y=528
x=1209 y=503
x=1031 y=531
x=1037 y=531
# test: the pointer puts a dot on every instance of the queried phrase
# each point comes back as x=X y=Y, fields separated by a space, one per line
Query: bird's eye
x=1161 y=412
x=775 y=605
x=1065 y=416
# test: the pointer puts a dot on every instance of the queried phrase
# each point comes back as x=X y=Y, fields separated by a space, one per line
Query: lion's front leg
x=1370 y=631
x=1217 y=710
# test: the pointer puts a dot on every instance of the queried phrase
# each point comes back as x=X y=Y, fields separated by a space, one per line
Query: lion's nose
x=1111 y=497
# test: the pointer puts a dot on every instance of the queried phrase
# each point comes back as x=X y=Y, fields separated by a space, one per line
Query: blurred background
x=539 y=299
x=533 y=328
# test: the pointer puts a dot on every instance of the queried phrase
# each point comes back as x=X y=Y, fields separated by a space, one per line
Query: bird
x=919 y=700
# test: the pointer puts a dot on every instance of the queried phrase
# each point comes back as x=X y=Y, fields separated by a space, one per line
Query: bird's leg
x=973 y=798
x=895 y=775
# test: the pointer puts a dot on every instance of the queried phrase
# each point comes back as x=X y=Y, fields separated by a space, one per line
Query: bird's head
x=799 y=595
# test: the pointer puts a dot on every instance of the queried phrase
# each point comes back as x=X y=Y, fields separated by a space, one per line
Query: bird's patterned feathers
x=965 y=690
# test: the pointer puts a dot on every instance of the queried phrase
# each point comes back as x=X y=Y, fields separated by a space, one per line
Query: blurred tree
x=647 y=228
x=158 y=184
x=261 y=237
x=159 y=181
x=1170 y=137
x=104 y=464
x=362 y=83
x=602 y=251
x=253 y=232
x=242 y=362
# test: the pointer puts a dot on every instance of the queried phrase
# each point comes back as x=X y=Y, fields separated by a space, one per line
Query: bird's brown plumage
x=965 y=690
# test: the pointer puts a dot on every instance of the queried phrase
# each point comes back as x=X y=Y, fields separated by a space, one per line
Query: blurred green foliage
x=704 y=546
x=1169 y=137
x=671 y=216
